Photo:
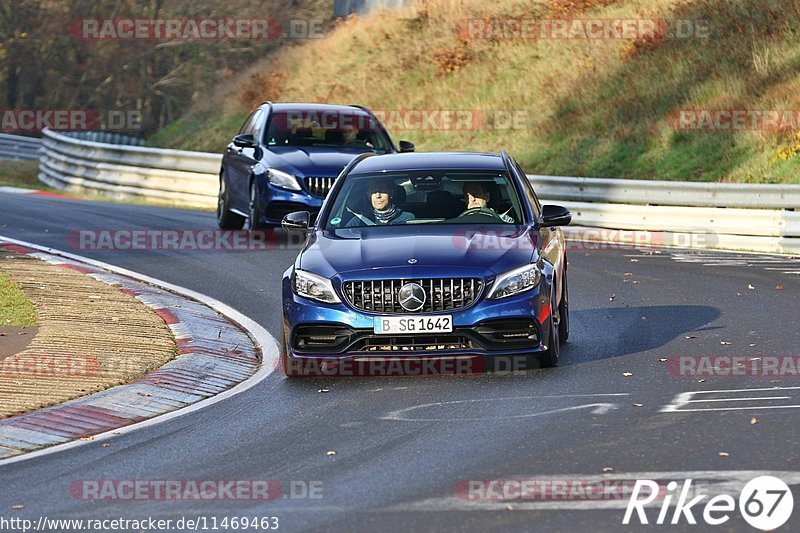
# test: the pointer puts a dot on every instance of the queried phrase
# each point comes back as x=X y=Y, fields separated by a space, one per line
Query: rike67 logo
x=765 y=503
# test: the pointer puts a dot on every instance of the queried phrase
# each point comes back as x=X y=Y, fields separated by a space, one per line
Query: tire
x=254 y=208
x=226 y=219
x=549 y=358
x=563 y=310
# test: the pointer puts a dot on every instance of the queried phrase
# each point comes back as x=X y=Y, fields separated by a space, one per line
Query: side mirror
x=245 y=140
x=555 y=215
x=406 y=146
x=297 y=221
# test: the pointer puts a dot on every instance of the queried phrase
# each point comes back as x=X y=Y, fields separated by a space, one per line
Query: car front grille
x=319 y=186
x=441 y=294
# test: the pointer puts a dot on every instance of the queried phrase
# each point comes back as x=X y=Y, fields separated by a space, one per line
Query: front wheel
x=563 y=310
x=254 y=208
x=226 y=219
x=550 y=357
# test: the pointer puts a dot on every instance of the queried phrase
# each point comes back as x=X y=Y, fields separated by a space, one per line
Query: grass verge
x=602 y=108
x=15 y=308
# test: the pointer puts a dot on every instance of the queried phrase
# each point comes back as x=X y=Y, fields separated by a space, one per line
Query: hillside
x=594 y=107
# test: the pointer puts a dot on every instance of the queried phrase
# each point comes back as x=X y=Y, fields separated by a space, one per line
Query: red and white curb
x=221 y=353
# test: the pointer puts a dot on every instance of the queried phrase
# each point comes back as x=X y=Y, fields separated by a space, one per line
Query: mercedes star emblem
x=411 y=297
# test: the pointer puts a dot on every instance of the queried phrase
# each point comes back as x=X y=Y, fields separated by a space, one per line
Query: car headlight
x=314 y=287
x=282 y=179
x=515 y=281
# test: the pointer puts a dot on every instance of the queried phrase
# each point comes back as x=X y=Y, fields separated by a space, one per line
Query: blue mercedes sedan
x=426 y=263
x=286 y=156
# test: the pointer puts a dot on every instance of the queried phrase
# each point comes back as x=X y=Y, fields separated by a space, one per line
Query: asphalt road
x=403 y=445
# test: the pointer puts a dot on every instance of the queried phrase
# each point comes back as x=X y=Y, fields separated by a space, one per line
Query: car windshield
x=357 y=131
x=425 y=197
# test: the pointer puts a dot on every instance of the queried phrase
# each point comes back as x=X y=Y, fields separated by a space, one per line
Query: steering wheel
x=485 y=211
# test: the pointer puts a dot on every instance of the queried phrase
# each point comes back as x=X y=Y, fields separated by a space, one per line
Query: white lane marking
x=599 y=408
x=710 y=482
x=683 y=399
x=742 y=399
x=269 y=351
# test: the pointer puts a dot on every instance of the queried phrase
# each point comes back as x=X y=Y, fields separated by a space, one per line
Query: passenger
x=477 y=197
x=383 y=209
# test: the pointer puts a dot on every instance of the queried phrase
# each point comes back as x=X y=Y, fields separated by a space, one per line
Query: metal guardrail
x=731 y=216
x=688 y=194
x=108 y=137
x=129 y=172
x=18 y=147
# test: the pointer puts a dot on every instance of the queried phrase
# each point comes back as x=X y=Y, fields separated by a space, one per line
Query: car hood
x=310 y=160
x=408 y=251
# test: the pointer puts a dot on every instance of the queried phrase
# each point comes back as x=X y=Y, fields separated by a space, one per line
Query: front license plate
x=392 y=325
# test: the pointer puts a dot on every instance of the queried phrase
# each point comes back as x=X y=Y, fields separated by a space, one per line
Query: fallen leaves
x=753 y=421
x=627 y=374
x=638 y=404
x=612 y=297
x=323 y=390
x=662 y=360
x=724 y=454
x=750 y=287
x=724 y=343
x=779 y=287
x=17 y=506
x=690 y=337
x=330 y=453
x=607 y=469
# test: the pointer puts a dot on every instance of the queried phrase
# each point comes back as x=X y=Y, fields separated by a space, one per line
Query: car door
x=239 y=161
x=549 y=237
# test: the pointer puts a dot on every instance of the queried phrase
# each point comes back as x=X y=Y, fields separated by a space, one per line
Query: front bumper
x=517 y=326
x=277 y=202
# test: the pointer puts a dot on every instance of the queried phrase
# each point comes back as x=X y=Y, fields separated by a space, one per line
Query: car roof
x=430 y=161
x=318 y=108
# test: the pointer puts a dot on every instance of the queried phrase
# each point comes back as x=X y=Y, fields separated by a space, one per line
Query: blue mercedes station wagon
x=426 y=257
x=286 y=156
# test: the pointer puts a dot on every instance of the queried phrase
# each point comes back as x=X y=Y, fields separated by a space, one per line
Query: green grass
x=593 y=108
x=21 y=174
x=15 y=308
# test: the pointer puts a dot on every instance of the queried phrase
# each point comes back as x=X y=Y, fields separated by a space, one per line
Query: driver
x=383 y=209
x=476 y=196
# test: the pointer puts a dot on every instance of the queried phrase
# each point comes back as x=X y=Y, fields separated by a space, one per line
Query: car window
x=342 y=130
x=258 y=122
x=248 y=124
x=533 y=199
x=425 y=197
